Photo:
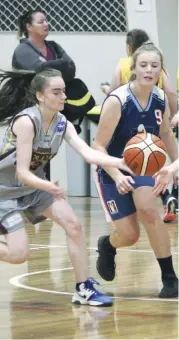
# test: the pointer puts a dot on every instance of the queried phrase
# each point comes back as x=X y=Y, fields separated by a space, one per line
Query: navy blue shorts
x=116 y=205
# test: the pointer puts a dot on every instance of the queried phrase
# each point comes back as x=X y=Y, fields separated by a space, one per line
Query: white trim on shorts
x=100 y=193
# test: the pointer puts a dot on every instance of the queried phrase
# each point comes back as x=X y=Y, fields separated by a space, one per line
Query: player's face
x=39 y=25
x=148 y=68
x=53 y=96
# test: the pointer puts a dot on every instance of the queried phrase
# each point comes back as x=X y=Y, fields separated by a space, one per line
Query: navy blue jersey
x=132 y=116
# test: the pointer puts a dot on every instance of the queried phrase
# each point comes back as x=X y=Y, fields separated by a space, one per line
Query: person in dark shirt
x=36 y=53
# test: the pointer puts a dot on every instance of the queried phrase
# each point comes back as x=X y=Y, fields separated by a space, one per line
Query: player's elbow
x=97 y=146
x=88 y=159
x=22 y=174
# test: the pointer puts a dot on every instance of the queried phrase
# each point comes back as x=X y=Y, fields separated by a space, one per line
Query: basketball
x=145 y=154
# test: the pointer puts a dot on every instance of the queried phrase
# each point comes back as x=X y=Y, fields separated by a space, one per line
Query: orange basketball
x=145 y=154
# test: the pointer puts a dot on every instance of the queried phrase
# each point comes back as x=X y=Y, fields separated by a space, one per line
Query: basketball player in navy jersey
x=124 y=110
x=122 y=75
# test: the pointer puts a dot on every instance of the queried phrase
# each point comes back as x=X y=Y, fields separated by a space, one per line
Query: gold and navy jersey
x=133 y=116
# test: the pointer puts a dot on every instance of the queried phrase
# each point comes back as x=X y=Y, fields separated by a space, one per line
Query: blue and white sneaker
x=86 y=294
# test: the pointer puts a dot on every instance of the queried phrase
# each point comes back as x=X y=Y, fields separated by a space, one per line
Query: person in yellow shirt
x=122 y=75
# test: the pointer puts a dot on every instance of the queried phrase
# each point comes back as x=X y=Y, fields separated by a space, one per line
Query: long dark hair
x=136 y=38
x=18 y=90
x=24 y=19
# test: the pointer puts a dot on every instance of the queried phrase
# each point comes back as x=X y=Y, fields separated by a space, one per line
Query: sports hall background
x=95 y=43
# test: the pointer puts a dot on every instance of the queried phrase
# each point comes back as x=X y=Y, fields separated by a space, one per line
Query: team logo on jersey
x=112 y=207
x=61 y=126
x=40 y=157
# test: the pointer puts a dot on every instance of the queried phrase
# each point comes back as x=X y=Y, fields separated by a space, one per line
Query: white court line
x=15 y=281
x=43 y=246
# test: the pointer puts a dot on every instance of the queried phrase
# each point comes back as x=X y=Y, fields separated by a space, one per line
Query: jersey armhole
x=35 y=130
x=114 y=95
x=111 y=95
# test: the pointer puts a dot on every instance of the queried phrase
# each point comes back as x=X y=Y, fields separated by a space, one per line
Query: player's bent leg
x=149 y=215
x=120 y=210
x=16 y=248
x=158 y=237
x=61 y=213
x=126 y=233
x=85 y=292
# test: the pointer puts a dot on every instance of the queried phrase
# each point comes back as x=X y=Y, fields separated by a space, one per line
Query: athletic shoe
x=105 y=264
x=170 y=210
x=170 y=289
x=86 y=294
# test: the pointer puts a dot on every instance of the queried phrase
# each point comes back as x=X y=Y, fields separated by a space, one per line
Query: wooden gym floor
x=35 y=297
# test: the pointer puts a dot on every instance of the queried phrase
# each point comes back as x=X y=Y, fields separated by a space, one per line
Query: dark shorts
x=117 y=206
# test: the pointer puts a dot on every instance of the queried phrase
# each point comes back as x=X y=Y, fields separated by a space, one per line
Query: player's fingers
x=155 y=175
x=130 y=179
x=164 y=189
x=158 y=189
x=126 y=168
x=122 y=190
x=127 y=186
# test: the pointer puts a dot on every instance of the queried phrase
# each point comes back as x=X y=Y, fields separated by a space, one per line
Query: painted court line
x=15 y=281
x=34 y=246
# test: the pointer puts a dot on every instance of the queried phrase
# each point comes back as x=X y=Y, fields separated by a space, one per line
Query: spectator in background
x=36 y=53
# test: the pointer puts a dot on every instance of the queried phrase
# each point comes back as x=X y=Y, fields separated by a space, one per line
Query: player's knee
x=133 y=237
x=148 y=215
x=74 y=227
x=130 y=236
x=19 y=256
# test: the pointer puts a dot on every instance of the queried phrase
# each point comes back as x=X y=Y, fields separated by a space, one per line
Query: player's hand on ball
x=162 y=179
x=123 y=166
x=57 y=192
x=123 y=184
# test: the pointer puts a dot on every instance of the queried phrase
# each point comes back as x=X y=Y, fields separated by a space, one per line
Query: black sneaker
x=105 y=264
x=170 y=289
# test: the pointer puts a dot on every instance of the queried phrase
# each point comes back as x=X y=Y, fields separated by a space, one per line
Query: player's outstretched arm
x=90 y=155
